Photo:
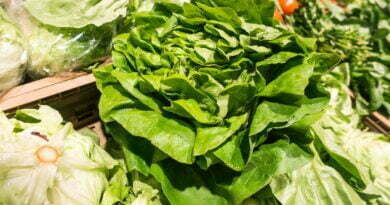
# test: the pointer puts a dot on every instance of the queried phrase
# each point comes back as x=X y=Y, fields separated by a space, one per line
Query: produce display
x=217 y=102
x=359 y=32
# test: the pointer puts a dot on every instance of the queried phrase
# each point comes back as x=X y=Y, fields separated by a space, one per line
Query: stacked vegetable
x=206 y=102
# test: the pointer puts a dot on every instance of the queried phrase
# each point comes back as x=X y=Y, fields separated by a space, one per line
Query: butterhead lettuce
x=200 y=96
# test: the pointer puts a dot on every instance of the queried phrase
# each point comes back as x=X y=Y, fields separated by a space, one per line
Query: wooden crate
x=74 y=94
x=376 y=122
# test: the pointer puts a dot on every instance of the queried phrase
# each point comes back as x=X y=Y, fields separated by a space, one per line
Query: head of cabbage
x=65 y=35
x=13 y=53
x=45 y=161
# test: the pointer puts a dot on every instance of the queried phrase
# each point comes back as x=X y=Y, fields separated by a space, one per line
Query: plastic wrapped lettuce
x=69 y=34
x=44 y=161
x=13 y=53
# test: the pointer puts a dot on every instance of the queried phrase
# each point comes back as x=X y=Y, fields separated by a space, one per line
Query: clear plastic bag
x=53 y=51
x=13 y=53
x=53 y=48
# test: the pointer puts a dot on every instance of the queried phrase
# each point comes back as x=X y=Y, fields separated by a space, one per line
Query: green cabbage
x=13 y=53
x=75 y=173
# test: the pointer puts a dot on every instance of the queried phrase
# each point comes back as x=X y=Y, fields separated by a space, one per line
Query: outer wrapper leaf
x=364 y=155
x=269 y=161
x=314 y=183
x=171 y=136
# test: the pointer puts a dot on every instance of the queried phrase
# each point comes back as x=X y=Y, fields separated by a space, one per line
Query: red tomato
x=278 y=16
x=288 y=6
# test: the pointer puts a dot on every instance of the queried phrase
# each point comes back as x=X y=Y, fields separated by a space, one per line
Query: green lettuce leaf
x=118 y=189
x=254 y=11
x=269 y=161
x=121 y=191
x=360 y=153
x=171 y=136
x=76 y=14
x=314 y=183
x=184 y=187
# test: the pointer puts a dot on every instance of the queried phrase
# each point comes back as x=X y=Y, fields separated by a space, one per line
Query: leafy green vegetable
x=275 y=115
x=315 y=183
x=76 y=14
x=199 y=88
x=120 y=191
x=13 y=53
x=269 y=161
x=68 y=34
x=359 y=33
x=55 y=50
x=145 y=194
x=209 y=138
x=256 y=11
x=171 y=136
x=185 y=186
x=48 y=162
x=361 y=154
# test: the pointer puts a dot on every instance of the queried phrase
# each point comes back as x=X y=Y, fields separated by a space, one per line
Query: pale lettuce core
x=77 y=177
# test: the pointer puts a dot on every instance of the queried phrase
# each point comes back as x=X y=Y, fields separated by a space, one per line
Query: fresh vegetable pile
x=217 y=102
x=218 y=107
x=359 y=31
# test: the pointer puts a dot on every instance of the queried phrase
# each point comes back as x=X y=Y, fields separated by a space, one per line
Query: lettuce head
x=66 y=35
x=44 y=161
x=13 y=53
